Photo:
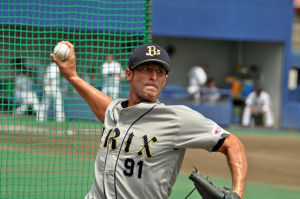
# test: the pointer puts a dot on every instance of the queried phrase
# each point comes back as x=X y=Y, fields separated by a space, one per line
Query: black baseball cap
x=149 y=52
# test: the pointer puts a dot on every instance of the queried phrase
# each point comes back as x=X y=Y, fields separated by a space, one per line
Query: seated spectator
x=258 y=103
x=211 y=93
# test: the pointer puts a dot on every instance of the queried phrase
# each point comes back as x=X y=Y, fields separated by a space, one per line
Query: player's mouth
x=151 y=85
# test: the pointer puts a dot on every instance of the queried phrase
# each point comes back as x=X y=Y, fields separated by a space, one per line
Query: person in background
x=52 y=91
x=258 y=103
x=211 y=93
x=112 y=74
x=196 y=80
x=23 y=88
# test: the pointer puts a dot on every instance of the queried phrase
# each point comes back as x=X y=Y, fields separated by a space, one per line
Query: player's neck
x=134 y=100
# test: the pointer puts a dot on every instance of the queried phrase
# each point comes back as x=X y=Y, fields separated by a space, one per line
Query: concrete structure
x=229 y=33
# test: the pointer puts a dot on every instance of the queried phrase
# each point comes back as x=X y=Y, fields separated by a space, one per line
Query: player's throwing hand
x=67 y=67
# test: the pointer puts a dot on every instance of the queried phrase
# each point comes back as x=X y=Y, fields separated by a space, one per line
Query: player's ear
x=129 y=74
x=166 y=80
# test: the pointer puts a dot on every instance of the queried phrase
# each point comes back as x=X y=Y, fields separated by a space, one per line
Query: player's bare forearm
x=234 y=150
x=97 y=101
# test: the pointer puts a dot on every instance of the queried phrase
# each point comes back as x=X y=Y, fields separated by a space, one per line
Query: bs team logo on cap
x=149 y=52
x=152 y=51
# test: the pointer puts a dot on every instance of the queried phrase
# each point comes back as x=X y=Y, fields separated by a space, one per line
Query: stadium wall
x=260 y=20
x=262 y=28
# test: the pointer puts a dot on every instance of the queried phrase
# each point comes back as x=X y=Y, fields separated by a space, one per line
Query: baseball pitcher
x=144 y=141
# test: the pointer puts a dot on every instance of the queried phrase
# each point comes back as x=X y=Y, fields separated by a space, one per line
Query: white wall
x=270 y=57
x=189 y=52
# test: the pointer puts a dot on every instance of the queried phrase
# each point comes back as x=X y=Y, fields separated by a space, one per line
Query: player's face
x=146 y=82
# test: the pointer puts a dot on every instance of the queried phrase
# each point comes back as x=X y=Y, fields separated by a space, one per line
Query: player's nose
x=153 y=74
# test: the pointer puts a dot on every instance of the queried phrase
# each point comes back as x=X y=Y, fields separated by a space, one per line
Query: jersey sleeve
x=52 y=72
x=23 y=84
x=117 y=67
x=250 y=99
x=196 y=131
x=200 y=76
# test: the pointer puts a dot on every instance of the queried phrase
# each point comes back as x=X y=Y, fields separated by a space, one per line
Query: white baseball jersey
x=109 y=68
x=111 y=82
x=23 y=84
x=52 y=77
x=197 y=77
x=142 y=148
x=52 y=91
x=25 y=94
x=261 y=102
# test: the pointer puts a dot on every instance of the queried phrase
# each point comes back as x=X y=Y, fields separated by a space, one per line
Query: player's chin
x=151 y=95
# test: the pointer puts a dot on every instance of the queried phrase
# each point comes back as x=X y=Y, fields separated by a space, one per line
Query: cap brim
x=165 y=64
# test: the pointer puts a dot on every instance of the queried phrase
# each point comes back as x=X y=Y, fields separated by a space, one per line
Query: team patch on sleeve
x=217 y=130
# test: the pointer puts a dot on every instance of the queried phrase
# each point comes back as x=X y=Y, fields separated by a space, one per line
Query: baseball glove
x=209 y=191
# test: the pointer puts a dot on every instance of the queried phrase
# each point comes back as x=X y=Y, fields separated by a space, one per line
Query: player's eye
x=161 y=71
x=149 y=69
x=146 y=68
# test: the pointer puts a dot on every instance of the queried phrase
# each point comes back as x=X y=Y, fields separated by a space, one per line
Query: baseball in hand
x=62 y=52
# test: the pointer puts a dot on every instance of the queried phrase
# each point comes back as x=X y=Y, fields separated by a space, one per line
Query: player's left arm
x=234 y=151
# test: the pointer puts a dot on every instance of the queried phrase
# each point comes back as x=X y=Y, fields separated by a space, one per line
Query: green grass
x=264 y=132
x=253 y=191
x=183 y=185
x=32 y=174
x=42 y=174
x=29 y=120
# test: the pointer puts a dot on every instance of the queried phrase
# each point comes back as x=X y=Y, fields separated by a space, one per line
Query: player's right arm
x=234 y=150
x=97 y=101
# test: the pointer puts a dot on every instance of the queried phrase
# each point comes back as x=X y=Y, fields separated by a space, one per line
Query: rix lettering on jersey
x=111 y=141
x=152 y=51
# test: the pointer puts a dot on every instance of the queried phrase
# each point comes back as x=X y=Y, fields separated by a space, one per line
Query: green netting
x=53 y=157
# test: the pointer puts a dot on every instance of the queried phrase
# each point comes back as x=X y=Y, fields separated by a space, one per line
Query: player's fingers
x=71 y=48
x=54 y=58
x=69 y=44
